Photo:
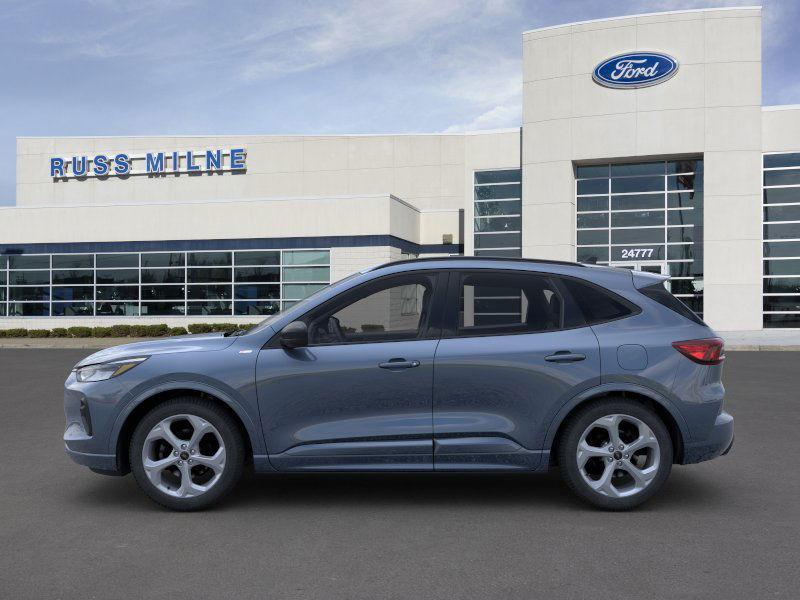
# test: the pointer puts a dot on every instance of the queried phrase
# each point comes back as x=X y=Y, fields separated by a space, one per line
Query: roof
x=489 y=259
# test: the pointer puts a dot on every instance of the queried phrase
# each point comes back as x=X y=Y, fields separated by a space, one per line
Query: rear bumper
x=718 y=442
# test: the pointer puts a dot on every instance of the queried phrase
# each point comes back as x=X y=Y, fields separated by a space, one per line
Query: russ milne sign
x=151 y=163
x=635 y=70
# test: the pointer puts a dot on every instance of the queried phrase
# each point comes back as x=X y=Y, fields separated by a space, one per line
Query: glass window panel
x=162 y=309
x=498 y=176
x=82 y=292
x=788 y=177
x=782 y=303
x=2 y=277
x=73 y=277
x=510 y=207
x=684 y=182
x=588 y=171
x=776 y=321
x=680 y=252
x=782 y=231
x=257 y=274
x=2 y=294
x=298 y=291
x=3 y=308
x=28 y=309
x=256 y=308
x=3 y=262
x=637 y=184
x=221 y=307
x=209 y=292
x=648 y=168
x=117 y=309
x=29 y=262
x=118 y=276
x=686 y=286
x=163 y=276
x=782 y=195
x=637 y=219
x=782 y=213
x=637 y=201
x=514 y=253
x=498 y=192
x=254 y=291
x=29 y=277
x=782 y=267
x=73 y=261
x=113 y=261
x=589 y=237
x=640 y=252
x=593 y=203
x=498 y=224
x=592 y=220
x=209 y=275
x=685 y=200
x=683 y=269
x=789 y=159
x=258 y=258
x=73 y=309
x=680 y=234
x=684 y=166
x=29 y=293
x=162 y=292
x=599 y=254
x=637 y=236
x=782 y=285
x=306 y=274
x=778 y=249
x=117 y=292
x=306 y=257
x=498 y=240
x=163 y=259
x=209 y=259
x=592 y=186
x=684 y=217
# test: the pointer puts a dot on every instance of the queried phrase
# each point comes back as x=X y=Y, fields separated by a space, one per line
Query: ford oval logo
x=635 y=70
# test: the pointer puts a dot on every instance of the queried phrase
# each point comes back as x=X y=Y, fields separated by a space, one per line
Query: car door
x=513 y=349
x=359 y=397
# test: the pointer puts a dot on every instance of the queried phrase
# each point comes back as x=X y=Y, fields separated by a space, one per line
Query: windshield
x=305 y=302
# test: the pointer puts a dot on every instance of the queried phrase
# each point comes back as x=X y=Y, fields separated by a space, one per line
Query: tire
x=187 y=435
x=618 y=480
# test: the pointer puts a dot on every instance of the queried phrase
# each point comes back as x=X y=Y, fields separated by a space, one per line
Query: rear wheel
x=615 y=453
x=187 y=453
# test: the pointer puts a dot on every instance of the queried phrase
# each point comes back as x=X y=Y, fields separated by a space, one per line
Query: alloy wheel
x=618 y=455
x=183 y=456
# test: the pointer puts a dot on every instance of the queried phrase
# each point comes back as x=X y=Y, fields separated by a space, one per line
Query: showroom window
x=498 y=213
x=646 y=216
x=130 y=284
x=781 y=299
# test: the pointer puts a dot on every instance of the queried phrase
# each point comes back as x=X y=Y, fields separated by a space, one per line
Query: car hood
x=183 y=343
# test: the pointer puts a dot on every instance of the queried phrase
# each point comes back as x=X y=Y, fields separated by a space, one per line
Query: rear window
x=661 y=294
x=596 y=304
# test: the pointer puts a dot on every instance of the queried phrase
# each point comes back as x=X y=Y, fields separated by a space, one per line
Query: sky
x=161 y=67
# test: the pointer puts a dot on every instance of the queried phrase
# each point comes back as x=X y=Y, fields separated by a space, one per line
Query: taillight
x=704 y=352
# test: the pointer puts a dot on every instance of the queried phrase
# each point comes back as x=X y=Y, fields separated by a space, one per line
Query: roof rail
x=479 y=258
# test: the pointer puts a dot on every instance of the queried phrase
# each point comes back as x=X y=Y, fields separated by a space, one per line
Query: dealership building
x=643 y=144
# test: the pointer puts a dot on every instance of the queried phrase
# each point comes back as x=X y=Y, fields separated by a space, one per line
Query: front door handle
x=565 y=356
x=397 y=364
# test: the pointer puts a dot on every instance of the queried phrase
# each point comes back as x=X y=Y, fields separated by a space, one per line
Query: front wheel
x=186 y=454
x=615 y=453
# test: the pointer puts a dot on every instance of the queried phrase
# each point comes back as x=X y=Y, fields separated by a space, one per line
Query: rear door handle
x=565 y=356
x=397 y=364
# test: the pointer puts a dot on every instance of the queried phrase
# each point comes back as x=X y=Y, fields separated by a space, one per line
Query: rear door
x=514 y=349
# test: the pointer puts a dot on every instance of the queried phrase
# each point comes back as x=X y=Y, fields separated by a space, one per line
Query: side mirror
x=294 y=335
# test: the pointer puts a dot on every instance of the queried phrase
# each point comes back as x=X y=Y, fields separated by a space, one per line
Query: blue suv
x=445 y=364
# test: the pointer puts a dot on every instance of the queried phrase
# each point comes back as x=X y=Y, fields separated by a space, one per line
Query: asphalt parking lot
x=727 y=529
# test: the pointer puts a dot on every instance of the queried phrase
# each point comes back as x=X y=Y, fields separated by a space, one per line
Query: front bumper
x=718 y=442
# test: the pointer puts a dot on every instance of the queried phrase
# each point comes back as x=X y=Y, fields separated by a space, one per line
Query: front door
x=360 y=395
x=509 y=357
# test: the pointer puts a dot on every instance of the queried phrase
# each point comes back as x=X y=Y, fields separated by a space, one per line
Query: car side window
x=596 y=304
x=389 y=309
x=498 y=303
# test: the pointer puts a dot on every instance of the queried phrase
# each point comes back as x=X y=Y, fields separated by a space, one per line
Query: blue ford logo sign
x=635 y=70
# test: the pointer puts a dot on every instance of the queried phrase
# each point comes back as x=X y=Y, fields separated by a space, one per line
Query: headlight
x=103 y=371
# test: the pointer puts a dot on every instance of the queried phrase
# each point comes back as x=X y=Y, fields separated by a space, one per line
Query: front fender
x=611 y=388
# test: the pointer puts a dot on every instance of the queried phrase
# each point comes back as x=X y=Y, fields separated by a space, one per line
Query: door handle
x=565 y=356
x=397 y=364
